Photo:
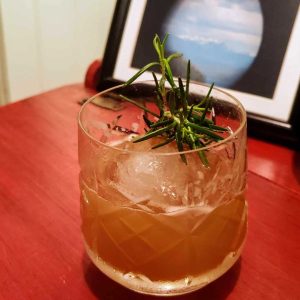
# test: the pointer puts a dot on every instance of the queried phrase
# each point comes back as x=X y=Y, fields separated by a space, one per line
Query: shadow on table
x=296 y=166
x=106 y=289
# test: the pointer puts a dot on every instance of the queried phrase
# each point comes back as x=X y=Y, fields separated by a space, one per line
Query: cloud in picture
x=220 y=37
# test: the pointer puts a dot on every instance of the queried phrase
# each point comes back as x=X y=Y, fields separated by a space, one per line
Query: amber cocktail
x=151 y=222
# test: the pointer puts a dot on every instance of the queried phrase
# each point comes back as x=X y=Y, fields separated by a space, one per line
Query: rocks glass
x=149 y=221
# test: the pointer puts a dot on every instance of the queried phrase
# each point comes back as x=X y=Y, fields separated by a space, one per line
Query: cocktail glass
x=149 y=221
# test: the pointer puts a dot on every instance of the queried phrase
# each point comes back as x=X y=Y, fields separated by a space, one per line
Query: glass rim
x=157 y=152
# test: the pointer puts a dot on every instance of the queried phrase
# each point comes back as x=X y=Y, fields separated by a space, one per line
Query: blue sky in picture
x=220 y=37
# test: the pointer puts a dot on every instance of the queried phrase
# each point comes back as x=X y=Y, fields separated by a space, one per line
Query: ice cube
x=140 y=177
x=158 y=180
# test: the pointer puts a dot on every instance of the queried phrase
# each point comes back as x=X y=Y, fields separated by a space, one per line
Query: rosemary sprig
x=178 y=121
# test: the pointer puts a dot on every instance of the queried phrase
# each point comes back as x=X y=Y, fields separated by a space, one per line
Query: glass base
x=141 y=284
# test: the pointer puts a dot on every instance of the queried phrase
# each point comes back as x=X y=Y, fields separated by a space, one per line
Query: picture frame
x=273 y=116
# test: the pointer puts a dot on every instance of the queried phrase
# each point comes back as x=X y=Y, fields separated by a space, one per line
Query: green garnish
x=177 y=119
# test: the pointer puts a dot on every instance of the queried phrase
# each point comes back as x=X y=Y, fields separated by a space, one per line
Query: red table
x=41 y=251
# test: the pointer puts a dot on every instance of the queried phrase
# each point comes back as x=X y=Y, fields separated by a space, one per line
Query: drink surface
x=155 y=227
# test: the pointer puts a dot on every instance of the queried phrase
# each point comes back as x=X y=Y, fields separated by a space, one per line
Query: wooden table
x=41 y=251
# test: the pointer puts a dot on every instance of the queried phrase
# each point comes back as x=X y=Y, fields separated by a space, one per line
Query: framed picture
x=249 y=48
